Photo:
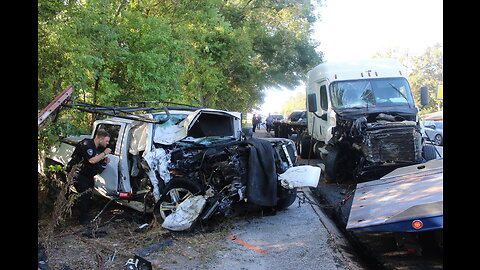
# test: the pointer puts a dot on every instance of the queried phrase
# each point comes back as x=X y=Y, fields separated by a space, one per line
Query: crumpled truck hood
x=168 y=134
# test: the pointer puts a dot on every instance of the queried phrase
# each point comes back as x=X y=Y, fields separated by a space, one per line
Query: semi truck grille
x=393 y=144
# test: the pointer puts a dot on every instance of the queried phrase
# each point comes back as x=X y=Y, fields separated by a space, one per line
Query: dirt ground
x=115 y=237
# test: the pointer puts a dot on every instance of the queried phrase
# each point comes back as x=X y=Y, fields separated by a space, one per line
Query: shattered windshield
x=371 y=93
x=174 y=119
x=194 y=128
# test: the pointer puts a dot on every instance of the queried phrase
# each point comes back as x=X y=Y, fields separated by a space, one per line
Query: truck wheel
x=286 y=198
x=305 y=148
x=338 y=168
x=428 y=152
x=175 y=192
x=283 y=132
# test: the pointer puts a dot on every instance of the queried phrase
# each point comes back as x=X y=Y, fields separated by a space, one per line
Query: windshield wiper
x=400 y=92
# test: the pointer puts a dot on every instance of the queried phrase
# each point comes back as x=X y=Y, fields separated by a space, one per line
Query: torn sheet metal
x=185 y=214
x=300 y=176
x=158 y=160
x=168 y=134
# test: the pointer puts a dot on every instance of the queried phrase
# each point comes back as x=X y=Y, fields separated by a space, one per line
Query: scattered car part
x=138 y=263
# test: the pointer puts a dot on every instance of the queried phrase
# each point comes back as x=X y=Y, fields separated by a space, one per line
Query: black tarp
x=262 y=176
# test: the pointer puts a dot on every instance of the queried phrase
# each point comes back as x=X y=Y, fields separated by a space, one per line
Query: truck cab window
x=113 y=130
x=371 y=92
x=323 y=97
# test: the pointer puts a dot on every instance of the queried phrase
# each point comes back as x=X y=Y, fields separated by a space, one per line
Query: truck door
x=317 y=124
x=108 y=180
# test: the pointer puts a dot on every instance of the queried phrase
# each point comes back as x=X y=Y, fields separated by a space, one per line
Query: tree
x=428 y=71
x=212 y=53
x=297 y=102
x=108 y=53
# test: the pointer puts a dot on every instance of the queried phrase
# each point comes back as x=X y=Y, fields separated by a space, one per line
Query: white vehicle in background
x=362 y=119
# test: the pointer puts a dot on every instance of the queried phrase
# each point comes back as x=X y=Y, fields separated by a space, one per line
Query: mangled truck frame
x=187 y=164
x=362 y=119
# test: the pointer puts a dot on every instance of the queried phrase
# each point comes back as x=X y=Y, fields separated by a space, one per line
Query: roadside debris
x=141 y=228
x=138 y=263
x=42 y=258
x=92 y=233
x=185 y=214
x=145 y=251
x=301 y=176
x=245 y=244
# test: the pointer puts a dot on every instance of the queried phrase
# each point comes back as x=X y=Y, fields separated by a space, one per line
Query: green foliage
x=212 y=53
x=423 y=70
x=428 y=71
x=297 y=102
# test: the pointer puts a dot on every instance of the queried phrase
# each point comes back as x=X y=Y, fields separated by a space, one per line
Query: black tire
x=438 y=140
x=429 y=152
x=306 y=150
x=286 y=198
x=180 y=188
x=283 y=132
x=338 y=167
x=276 y=132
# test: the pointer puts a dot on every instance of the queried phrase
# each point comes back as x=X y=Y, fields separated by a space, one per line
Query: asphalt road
x=300 y=237
x=378 y=250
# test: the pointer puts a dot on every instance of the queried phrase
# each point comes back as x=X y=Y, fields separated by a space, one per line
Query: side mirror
x=424 y=95
x=312 y=102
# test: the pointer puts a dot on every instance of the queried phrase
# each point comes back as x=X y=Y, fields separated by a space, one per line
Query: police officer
x=90 y=155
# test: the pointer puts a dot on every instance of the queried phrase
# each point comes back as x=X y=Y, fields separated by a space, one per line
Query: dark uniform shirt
x=84 y=151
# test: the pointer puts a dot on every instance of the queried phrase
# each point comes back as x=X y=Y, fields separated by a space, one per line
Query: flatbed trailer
x=409 y=199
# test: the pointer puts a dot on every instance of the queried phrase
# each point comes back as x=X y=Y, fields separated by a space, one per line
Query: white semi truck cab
x=362 y=119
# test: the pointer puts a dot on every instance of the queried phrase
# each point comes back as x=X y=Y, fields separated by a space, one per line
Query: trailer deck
x=409 y=199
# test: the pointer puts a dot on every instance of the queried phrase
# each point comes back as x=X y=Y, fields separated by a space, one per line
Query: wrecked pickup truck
x=188 y=164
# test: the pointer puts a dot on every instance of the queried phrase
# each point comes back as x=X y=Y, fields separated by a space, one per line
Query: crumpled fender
x=300 y=176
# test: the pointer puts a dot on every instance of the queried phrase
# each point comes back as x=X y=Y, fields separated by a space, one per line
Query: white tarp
x=185 y=214
x=300 y=176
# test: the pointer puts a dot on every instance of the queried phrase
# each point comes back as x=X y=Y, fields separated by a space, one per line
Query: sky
x=357 y=29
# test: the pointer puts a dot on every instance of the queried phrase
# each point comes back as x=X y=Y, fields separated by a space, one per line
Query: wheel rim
x=173 y=198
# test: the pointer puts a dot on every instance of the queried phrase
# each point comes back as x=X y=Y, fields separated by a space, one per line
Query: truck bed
x=394 y=201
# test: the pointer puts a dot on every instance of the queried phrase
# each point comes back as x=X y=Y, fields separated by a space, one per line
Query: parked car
x=277 y=117
x=179 y=160
x=433 y=131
